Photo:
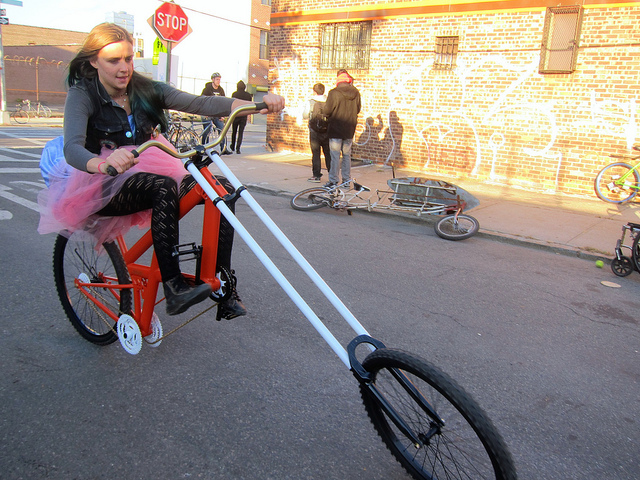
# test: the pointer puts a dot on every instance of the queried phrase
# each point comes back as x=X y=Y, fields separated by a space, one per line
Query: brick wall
x=494 y=117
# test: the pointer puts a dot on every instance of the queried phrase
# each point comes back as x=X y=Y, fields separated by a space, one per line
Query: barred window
x=560 y=39
x=264 y=45
x=446 y=53
x=345 y=45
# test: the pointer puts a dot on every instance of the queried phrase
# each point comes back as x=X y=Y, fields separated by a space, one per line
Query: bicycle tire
x=457 y=228
x=466 y=446
x=77 y=256
x=605 y=183
x=184 y=140
x=209 y=134
x=311 y=199
x=44 y=111
x=19 y=116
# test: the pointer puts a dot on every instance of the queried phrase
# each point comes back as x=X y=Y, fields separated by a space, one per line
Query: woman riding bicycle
x=109 y=110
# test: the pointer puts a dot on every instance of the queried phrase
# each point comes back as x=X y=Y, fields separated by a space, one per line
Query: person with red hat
x=341 y=109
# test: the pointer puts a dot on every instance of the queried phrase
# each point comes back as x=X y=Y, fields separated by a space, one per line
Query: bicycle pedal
x=187 y=249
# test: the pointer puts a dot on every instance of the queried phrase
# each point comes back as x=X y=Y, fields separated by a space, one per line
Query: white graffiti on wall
x=483 y=102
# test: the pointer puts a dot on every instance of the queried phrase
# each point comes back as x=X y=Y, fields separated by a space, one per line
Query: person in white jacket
x=318 y=137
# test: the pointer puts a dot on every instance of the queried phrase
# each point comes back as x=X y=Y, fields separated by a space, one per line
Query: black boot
x=233 y=306
x=180 y=295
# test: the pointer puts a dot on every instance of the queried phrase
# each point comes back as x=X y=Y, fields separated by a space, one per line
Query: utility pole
x=4 y=20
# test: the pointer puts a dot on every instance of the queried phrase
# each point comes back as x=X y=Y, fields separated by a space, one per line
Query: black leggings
x=159 y=193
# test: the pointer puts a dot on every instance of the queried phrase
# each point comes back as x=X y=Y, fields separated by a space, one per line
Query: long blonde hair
x=99 y=37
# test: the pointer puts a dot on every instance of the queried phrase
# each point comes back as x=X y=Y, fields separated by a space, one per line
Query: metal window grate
x=345 y=45
x=446 y=53
x=560 y=39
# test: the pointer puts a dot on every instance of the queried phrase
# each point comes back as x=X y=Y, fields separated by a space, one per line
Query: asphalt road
x=548 y=351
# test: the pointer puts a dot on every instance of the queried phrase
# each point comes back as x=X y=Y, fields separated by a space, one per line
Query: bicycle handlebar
x=154 y=143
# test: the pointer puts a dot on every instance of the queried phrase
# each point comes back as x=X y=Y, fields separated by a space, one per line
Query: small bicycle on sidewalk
x=619 y=182
x=411 y=194
x=428 y=422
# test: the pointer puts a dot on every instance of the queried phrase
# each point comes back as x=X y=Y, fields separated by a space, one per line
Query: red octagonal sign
x=170 y=22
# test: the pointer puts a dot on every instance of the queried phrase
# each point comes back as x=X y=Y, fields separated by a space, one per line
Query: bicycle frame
x=145 y=279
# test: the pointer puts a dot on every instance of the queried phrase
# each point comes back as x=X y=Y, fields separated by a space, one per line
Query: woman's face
x=114 y=64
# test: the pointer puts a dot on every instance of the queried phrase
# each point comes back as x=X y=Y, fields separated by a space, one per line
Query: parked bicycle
x=25 y=110
x=187 y=131
x=429 y=423
x=411 y=194
x=619 y=182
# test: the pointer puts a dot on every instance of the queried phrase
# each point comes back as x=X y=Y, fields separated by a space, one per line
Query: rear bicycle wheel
x=184 y=140
x=457 y=227
x=311 y=199
x=209 y=134
x=76 y=258
x=459 y=443
x=610 y=188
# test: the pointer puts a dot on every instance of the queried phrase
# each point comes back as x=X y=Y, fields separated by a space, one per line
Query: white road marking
x=5 y=215
x=15 y=198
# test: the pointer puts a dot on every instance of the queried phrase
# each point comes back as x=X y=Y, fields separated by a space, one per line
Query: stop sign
x=170 y=22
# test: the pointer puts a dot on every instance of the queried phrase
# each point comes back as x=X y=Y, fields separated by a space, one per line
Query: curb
x=557 y=249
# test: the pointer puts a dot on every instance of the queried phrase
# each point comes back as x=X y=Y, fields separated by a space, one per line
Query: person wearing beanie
x=239 y=122
x=341 y=109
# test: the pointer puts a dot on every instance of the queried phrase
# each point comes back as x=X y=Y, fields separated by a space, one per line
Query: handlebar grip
x=111 y=171
x=261 y=105
x=135 y=153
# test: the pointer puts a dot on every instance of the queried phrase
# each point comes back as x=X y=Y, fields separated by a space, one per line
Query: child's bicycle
x=429 y=423
x=619 y=182
x=412 y=194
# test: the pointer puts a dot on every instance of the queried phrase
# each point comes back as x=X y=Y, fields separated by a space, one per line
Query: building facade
x=531 y=93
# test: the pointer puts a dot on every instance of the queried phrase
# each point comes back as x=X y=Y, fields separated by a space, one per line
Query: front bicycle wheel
x=19 y=116
x=457 y=227
x=455 y=440
x=44 y=111
x=311 y=199
x=76 y=258
x=617 y=183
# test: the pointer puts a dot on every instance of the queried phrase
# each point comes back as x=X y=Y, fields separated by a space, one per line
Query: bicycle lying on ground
x=428 y=422
x=411 y=194
x=26 y=110
x=619 y=182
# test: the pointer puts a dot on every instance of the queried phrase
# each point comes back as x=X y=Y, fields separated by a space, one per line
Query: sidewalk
x=581 y=226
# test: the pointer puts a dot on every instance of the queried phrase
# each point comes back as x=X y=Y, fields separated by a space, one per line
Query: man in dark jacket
x=342 y=109
x=210 y=89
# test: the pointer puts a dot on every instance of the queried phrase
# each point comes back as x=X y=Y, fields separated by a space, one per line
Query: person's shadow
x=392 y=141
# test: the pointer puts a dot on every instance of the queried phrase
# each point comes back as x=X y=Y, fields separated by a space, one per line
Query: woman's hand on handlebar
x=275 y=103
x=121 y=160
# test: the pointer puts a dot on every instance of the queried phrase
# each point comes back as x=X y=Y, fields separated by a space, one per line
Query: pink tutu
x=73 y=197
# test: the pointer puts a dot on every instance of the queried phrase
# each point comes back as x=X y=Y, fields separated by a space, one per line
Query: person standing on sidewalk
x=342 y=109
x=210 y=89
x=318 y=137
x=240 y=122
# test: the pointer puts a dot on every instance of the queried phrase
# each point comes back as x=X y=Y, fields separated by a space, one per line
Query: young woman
x=109 y=110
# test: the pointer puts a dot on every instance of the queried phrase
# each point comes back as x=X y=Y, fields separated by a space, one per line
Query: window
x=266 y=2
x=345 y=45
x=446 y=53
x=560 y=39
x=264 y=45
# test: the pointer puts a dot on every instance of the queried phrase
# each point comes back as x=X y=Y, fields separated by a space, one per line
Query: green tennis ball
x=599 y=263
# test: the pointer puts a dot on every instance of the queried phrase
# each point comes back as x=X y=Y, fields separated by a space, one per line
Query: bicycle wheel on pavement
x=610 y=188
x=456 y=440
x=209 y=134
x=311 y=199
x=44 y=111
x=19 y=116
x=76 y=258
x=458 y=227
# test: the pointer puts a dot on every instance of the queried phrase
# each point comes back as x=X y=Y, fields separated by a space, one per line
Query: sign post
x=172 y=25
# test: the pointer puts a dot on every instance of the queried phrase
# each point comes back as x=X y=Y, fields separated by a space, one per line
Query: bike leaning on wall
x=619 y=182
